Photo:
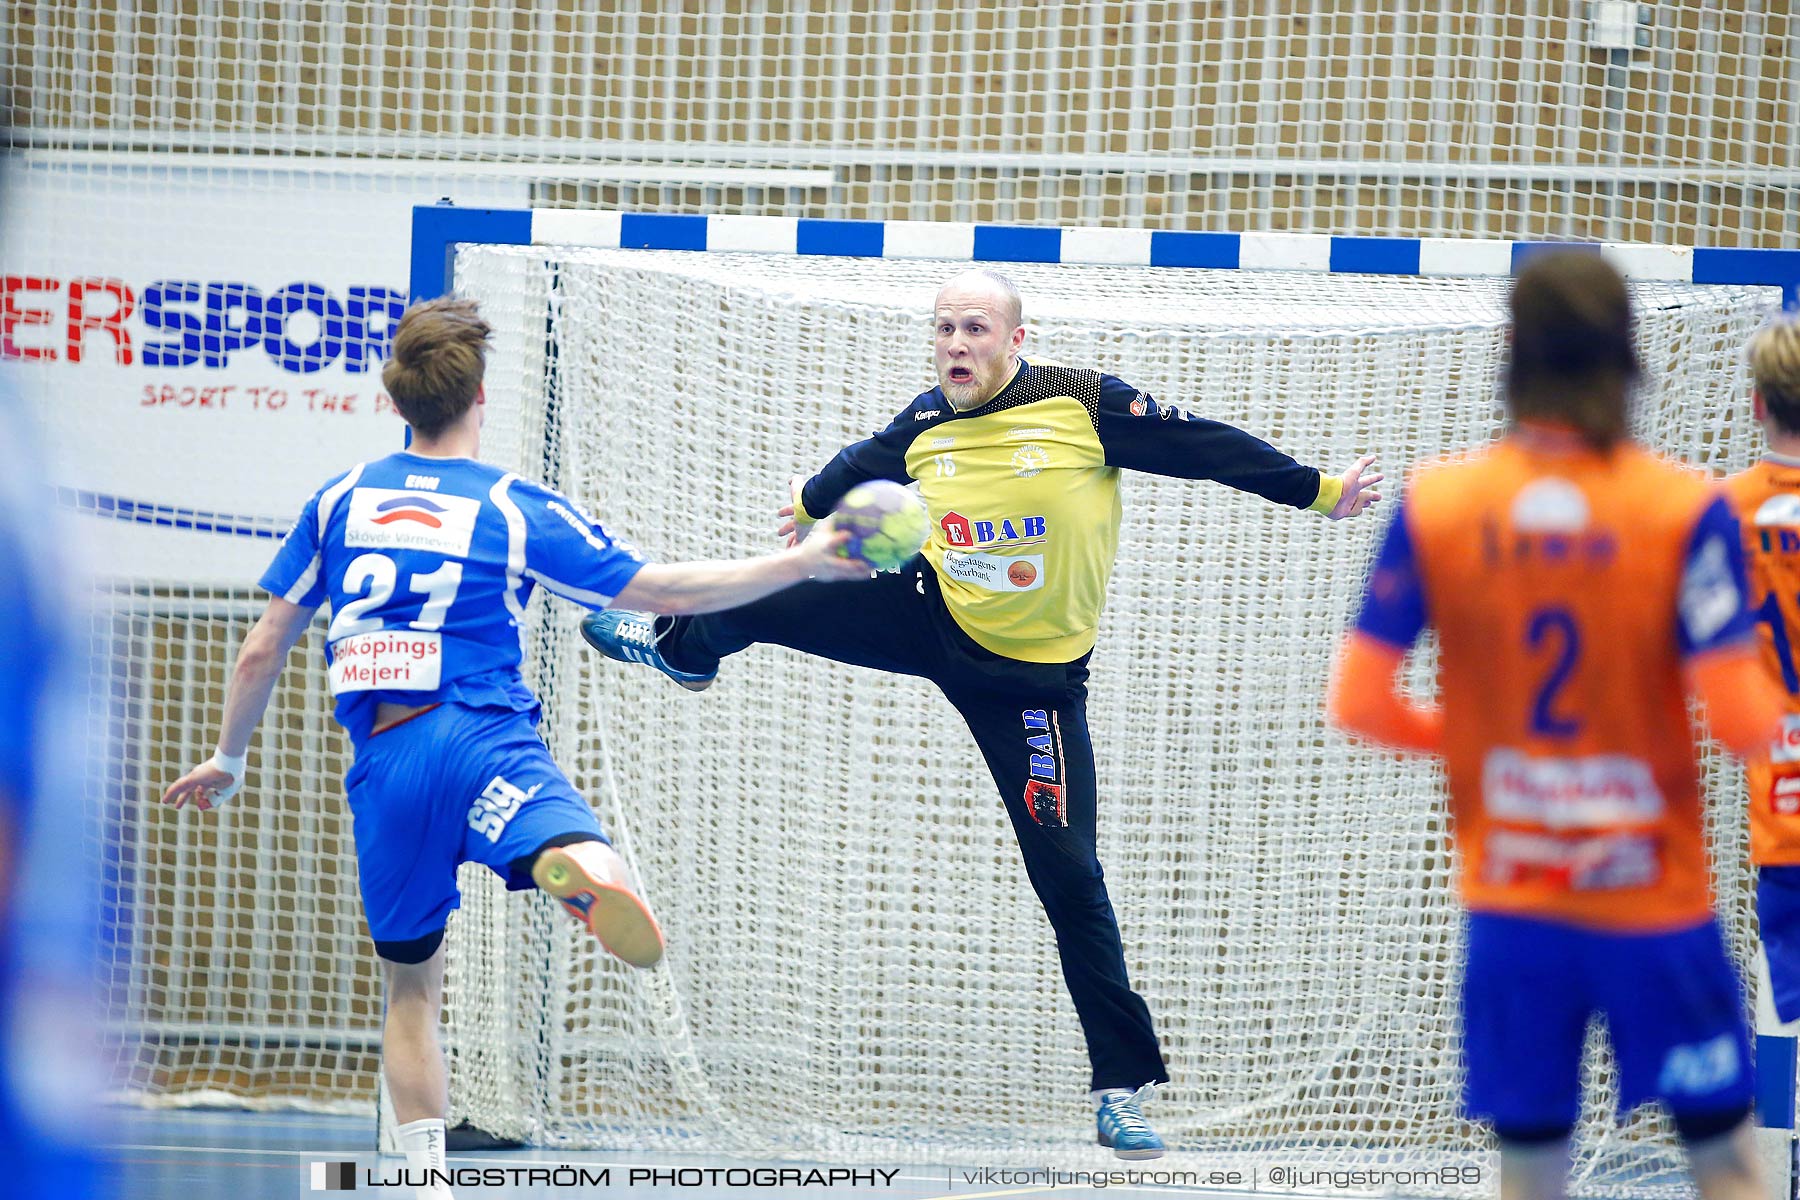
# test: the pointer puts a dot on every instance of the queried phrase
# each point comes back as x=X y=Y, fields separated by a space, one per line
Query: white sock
x=423 y=1142
x=1104 y=1094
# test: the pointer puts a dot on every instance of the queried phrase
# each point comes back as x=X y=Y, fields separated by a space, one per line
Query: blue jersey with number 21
x=428 y=564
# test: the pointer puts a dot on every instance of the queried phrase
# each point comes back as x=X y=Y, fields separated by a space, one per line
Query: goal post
x=857 y=966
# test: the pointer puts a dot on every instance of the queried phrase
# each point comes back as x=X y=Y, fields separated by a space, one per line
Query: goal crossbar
x=439 y=228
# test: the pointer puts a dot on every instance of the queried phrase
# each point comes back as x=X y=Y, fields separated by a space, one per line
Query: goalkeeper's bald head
x=1011 y=304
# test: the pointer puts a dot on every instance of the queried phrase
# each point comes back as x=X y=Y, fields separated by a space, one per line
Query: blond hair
x=436 y=365
x=1774 y=355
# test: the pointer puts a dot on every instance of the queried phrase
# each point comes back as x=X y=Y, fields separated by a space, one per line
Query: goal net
x=857 y=964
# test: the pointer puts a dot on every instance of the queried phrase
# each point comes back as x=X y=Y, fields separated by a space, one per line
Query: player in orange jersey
x=1767 y=499
x=1581 y=587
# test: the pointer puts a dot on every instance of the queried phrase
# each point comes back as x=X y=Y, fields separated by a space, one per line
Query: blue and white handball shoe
x=1122 y=1128
x=630 y=637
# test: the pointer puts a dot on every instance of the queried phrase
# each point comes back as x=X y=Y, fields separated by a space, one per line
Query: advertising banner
x=204 y=347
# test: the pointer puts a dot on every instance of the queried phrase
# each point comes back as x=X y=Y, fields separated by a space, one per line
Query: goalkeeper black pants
x=1030 y=721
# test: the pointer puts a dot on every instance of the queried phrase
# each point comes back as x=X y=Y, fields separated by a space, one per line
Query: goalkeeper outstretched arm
x=259 y=664
x=1138 y=433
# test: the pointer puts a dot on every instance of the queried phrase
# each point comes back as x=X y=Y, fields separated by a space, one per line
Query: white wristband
x=231 y=764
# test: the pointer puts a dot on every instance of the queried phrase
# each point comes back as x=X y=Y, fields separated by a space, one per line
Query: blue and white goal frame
x=439 y=228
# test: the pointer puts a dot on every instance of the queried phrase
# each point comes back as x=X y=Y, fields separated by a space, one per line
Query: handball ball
x=886 y=524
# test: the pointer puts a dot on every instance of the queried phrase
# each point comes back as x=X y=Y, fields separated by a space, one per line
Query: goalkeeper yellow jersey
x=1023 y=494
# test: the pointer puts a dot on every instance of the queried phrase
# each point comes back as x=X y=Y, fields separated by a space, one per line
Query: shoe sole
x=615 y=915
x=1130 y=1154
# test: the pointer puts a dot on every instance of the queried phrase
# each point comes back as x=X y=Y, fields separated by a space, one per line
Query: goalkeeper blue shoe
x=630 y=637
x=1122 y=1128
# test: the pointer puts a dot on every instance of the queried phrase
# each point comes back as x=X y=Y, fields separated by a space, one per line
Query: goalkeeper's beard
x=984 y=385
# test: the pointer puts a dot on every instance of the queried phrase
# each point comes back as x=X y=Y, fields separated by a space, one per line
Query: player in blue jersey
x=48 y=1070
x=428 y=559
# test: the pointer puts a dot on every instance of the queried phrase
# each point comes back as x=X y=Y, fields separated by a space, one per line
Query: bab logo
x=1044 y=789
x=409 y=508
x=961 y=531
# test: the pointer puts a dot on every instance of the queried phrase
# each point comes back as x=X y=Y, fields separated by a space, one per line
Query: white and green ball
x=886 y=523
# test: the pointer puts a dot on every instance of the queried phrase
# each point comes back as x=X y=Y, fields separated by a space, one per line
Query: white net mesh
x=1510 y=118
x=857 y=964
x=236 y=965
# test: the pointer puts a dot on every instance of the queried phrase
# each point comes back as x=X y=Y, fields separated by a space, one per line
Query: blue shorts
x=1673 y=1004
x=1778 y=916
x=450 y=786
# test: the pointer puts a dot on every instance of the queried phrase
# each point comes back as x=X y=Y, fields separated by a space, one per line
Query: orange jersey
x=1767 y=500
x=1569 y=589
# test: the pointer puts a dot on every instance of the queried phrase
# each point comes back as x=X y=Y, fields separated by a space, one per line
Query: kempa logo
x=334 y=1177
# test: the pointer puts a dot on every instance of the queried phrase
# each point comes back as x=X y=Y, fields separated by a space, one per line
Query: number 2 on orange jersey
x=1544 y=625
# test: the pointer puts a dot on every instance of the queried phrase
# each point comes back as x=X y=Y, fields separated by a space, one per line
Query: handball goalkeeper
x=1018 y=463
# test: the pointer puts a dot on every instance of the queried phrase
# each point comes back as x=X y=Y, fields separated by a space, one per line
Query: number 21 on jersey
x=378 y=574
x=366 y=652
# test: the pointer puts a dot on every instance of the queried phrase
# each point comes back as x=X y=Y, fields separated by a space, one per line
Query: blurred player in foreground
x=428 y=559
x=49 y=1075
x=1767 y=499
x=1581 y=587
x=1018 y=462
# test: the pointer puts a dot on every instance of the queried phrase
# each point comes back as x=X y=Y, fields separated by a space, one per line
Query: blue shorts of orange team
x=1778 y=916
x=1673 y=1006
x=450 y=786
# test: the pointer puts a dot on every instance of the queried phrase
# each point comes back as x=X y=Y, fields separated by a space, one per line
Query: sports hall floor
x=204 y=1154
